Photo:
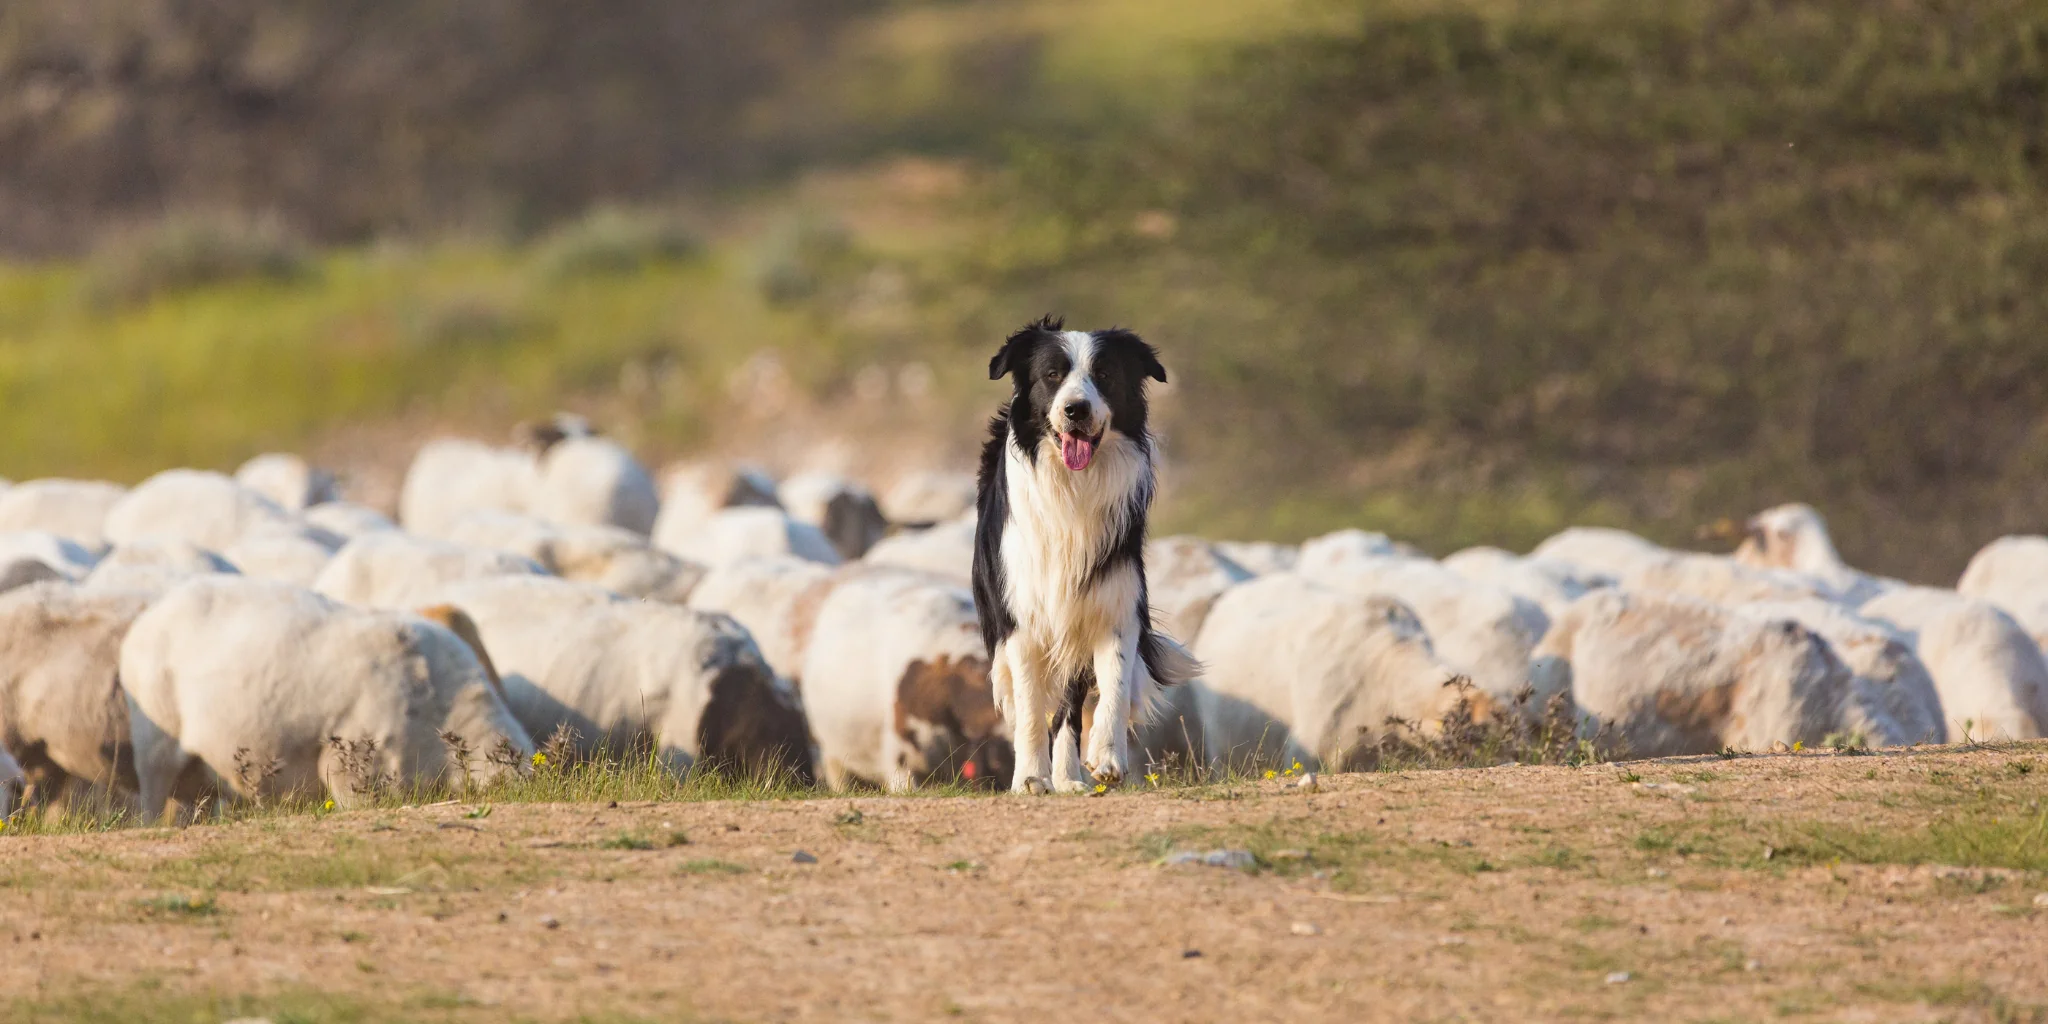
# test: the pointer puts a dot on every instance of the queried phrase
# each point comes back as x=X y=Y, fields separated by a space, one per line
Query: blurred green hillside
x=1462 y=271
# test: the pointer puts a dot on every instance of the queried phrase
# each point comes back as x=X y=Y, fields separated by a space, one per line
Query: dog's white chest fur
x=1062 y=525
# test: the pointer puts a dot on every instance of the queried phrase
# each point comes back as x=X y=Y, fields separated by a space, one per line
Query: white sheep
x=346 y=519
x=17 y=572
x=751 y=532
x=928 y=497
x=254 y=689
x=204 y=508
x=292 y=553
x=1299 y=671
x=593 y=481
x=609 y=556
x=1343 y=548
x=288 y=480
x=1795 y=537
x=1183 y=578
x=946 y=549
x=2012 y=573
x=1990 y=674
x=1479 y=630
x=634 y=675
x=897 y=685
x=1551 y=585
x=1260 y=557
x=61 y=702
x=1892 y=700
x=73 y=509
x=842 y=508
x=155 y=563
x=1669 y=675
x=66 y=558
x=693 y=492
x=1719 y=579
x=451 y=477
x=776 y=599
x=392 y=569
x=1610 y=552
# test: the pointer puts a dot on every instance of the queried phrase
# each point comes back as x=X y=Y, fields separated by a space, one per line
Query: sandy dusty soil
x=1798 y=886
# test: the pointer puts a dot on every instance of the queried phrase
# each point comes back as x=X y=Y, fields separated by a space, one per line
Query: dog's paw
x=1035 y=785
x=1108 y=767
x=1070 y=786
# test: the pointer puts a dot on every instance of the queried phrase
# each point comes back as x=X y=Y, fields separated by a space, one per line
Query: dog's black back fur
x=992 y=508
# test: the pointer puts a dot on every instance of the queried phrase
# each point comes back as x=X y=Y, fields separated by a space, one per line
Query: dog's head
x=1072 y=388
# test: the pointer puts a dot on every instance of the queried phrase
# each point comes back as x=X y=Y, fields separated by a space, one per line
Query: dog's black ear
x=1017 y=347
x=1143 y=355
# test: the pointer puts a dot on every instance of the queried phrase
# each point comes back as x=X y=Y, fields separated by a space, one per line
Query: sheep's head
x=541 y=436
x=1788 y=537
x=458 y=622
x=946 y=715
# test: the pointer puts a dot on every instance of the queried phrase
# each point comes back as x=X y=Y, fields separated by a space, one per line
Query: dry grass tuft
x=1464 y=738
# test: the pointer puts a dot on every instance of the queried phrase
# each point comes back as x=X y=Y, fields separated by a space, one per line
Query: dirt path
x=1789 y=886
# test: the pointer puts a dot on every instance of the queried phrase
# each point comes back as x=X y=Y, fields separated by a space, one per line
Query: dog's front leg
x=1109 y=733
x=1030 y=705
x=1069 y=775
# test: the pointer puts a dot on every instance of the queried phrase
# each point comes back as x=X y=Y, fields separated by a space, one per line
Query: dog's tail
x=1168 y=663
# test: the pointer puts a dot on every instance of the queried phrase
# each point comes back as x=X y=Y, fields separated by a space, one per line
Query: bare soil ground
x=1890 y=886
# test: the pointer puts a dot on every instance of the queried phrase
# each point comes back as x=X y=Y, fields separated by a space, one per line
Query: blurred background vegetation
x=1462 y=270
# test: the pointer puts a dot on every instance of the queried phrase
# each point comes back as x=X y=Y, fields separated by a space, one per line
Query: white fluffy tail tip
x=1175 y=665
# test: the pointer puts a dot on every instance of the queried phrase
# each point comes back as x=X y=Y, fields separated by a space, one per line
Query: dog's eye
x=1052 y=376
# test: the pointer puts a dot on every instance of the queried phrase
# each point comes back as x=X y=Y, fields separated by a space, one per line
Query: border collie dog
x=1059 y=553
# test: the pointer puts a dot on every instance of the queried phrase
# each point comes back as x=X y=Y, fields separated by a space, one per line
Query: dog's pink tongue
x=1076 y=452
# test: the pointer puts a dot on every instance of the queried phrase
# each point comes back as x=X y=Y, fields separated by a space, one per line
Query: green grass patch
x=1954 y=992
x=176 y=905
x=1345 y=859
x=1976 y=838
x=233 y=863
x=151 y=1002
x=711 y=866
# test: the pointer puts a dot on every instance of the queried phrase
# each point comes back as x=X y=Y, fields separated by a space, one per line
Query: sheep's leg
x=896 y=774
x=1109 y=739
x=1030 y=720
x=837 y=778
x=159 y=763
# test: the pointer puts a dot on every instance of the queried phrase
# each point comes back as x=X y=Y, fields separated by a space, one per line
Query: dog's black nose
x=1077 y=411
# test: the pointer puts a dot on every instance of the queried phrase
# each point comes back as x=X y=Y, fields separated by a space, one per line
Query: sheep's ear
x=538 y=437
x=1141 y=354
x=1017 y=347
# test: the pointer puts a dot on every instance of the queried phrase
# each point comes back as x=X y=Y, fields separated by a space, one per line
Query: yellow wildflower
x=328 y=806
x=1270 y=773
x=1100 y=788
x=1152 y=777
x=539 y=759
x=1798 y=746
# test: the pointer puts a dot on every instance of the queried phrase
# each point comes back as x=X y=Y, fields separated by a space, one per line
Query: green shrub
x=615 y=240
x=193 y=249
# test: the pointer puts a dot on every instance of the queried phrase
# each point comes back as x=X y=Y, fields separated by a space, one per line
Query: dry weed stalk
x=357 y=760
x=250 y=776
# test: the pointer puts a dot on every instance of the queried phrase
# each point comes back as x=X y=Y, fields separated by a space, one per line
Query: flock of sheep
x=202 y=638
